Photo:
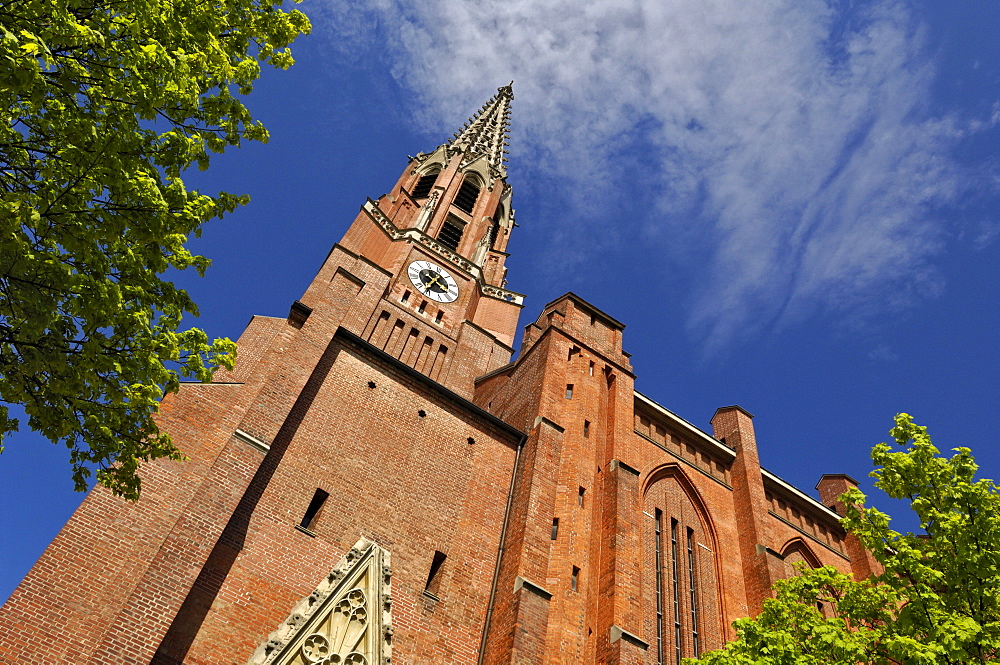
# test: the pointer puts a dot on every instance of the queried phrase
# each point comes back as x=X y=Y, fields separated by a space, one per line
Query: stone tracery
x=339 y=624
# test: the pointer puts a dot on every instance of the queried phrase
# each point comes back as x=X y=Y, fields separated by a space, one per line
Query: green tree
x=938 y=600
x=105 y=103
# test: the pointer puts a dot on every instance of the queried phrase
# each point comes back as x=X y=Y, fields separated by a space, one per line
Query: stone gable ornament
x=345 y=621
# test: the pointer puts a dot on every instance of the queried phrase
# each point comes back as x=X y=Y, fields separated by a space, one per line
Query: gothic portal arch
x=682 y=598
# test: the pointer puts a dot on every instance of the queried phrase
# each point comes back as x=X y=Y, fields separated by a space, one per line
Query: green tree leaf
x=938 y=597
x=105 y=105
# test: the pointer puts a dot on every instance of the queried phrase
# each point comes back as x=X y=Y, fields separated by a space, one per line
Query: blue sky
x=792 y=204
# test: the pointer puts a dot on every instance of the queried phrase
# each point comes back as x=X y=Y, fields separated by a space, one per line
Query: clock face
x=433 y=281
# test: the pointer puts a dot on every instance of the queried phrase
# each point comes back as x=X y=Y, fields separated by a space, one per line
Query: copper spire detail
x=486 y=132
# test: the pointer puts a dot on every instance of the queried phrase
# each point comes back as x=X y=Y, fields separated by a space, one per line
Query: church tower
x=442 y=233
x=339 y=477
x=377 y=482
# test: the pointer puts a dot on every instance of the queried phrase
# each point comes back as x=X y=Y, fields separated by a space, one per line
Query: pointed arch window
x=684 y=582
x=465 y=200
x=423 y=187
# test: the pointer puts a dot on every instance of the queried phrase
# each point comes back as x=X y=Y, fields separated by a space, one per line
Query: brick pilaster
x=830 y=487
x=734 y=426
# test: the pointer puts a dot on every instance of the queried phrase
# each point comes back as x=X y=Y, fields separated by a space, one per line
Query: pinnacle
x=485 y=133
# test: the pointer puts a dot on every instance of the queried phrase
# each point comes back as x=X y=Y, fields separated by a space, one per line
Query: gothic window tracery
x=345 y=621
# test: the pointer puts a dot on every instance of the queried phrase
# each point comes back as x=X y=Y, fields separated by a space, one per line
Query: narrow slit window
x=434 y=576
x=406 y=297
x=440 y=315
x=574 y=581
x=569 y=391
x=319 y=497
x=555 y=528
x=467 y=195
x=451 y=233
x=676 y=587
x=659 y=587
x=592 y=368
x=579 y=497
x=423 y=306
x=586 y=429
x=692 y=585
x=423 y=187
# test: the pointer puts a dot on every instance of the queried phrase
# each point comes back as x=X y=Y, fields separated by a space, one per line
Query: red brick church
x=378 y=482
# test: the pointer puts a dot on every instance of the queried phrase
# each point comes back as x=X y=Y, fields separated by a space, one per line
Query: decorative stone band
x=501 y=294
x=372 y=210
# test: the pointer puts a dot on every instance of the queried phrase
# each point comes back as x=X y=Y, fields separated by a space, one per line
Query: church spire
x=486 y=132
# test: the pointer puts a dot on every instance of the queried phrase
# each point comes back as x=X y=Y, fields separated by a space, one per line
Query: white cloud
x=883 y=353
x=792 y=133
x=986 y=233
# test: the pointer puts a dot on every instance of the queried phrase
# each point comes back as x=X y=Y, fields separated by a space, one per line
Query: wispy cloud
x=793 y=132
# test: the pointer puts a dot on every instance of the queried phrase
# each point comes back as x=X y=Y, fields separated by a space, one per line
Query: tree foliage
x=105 y=103
x=938 y=599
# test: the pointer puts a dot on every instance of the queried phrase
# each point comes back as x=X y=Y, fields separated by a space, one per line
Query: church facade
x=378 y=482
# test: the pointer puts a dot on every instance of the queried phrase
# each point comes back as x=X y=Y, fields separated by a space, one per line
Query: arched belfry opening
x=468 y=193
x=425 y=183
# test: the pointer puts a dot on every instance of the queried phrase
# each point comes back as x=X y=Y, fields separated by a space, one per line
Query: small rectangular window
x=434 y=576
x=574 y=581
x=586 y=429
x=579 y=497
x=440 y=315
x=592 y=368
x=555 y=528
x=319 y=497
x=423 y=306
x=406 y=297
x=569 y=391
